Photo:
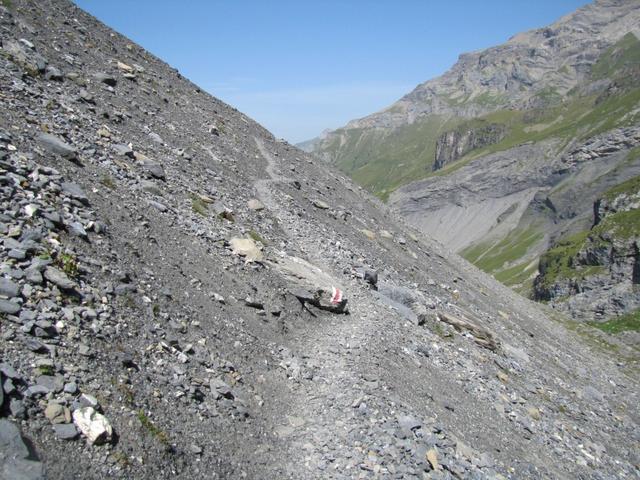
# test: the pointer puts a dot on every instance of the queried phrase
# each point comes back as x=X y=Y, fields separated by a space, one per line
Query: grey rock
x=220 y=388
x=66 y=431
x=155 y=169
x=16 y=408
x=9 y=372
x=77 y=229
x=71 y=388
x=156 y=138
x=36 y=390
x=53 y=383
x=408 y=422
x=75 y=191
x=57 y=146
x=53 y=73
x=59 y=278
x=123 y=150
x=87 y=97
x=106 y=78
x=157 y=205
x=8 y=307
x=8 y=288
x=16 y=460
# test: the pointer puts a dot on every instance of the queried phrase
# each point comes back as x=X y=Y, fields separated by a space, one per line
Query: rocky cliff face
x=456 y=143
x=182 y=295
x=595 y=274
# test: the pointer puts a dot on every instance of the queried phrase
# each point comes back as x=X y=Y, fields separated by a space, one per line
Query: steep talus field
x=506 y=154
x=183 y=296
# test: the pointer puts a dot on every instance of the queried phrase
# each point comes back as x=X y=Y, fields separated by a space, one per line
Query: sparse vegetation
x=623 y=323
x=152 y=428
x=68 y=264
x=507 y=259
x=622 y=225
x=46 y=370
x=557 y=262
x=256 y=237
x=108 y=182
x=121 y=459
x=198 y=206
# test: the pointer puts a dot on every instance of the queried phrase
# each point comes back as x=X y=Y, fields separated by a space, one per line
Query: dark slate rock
x=66 y=431
x=155 y=169
x=8 y=307
x=56 y=145
x=16 y=460
x=59 y=278
x=106 y=79
x=8 y=288
x=75 y=191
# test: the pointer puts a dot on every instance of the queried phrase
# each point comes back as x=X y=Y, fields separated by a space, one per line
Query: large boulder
x=310 y=284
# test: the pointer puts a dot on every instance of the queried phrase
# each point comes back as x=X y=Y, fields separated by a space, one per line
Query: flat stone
x=123 y=150
x=57 y=146
x=157 y=205
x=255 y=204
x=10 y=372
x=151 y=187
x=36 y=390
x=409 y=422
x=220 y=387
x=155 y=169
x=106 y=79
x=59 y=278
x=320 y=204
x=432 y=458
x=8 y=288
x=75 y=191
x=53 y=383
x=66 y=431
x=10 y=308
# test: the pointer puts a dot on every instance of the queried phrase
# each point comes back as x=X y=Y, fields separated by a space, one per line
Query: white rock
x=30 y=209
x=93 y=425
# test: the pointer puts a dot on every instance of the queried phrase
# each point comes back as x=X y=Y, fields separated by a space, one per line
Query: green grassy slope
x=382 y=160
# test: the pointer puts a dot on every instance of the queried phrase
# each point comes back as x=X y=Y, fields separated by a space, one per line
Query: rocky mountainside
x=183 y=296
x=594 y=274
x=505 y=154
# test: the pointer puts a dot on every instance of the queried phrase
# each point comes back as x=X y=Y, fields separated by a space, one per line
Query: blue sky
x=299 y=67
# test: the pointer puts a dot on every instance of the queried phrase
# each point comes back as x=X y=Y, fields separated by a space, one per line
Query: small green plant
x=68 y=263
x=152 y=428
x=46 y=370
x=198 y=206
x=155 y=309
x=127 y=393
x=441 y=331
x=108 y=182
x=122 y=459
x=7 y=4
x=255 y=236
